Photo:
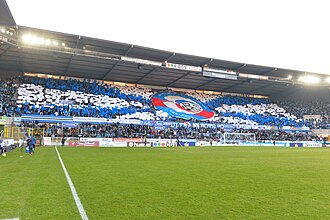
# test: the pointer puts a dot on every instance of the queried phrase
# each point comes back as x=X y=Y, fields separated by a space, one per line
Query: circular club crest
x=181 y=106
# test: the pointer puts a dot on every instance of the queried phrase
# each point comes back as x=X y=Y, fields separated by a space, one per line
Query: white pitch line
x=73 y=189
x=11 y=219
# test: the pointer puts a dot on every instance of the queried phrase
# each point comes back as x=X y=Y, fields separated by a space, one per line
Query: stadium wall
x=139 y=142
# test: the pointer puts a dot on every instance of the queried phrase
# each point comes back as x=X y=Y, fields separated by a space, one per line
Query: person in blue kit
x=34 y=142
x=29 y=145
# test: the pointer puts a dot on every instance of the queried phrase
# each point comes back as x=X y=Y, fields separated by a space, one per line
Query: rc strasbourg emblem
x=181 y=106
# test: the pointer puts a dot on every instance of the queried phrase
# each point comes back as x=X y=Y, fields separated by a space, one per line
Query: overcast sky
x=289 y=34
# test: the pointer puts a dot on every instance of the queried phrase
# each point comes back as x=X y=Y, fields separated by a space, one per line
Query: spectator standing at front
x=177 y=142
x=145 y=141
x=63 y=140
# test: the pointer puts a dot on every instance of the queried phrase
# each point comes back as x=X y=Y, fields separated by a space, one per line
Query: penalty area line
x=73 y=189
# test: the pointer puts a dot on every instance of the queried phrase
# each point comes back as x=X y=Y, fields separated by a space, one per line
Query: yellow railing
x=20 y=132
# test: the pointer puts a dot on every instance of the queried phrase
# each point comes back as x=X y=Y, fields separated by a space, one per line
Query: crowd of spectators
x=314 y=107
x=79 y=98
x=304 y=107
x=91 y=98
x=8 y=90
x=277 y=135
x=94 y=99
x=117 y=130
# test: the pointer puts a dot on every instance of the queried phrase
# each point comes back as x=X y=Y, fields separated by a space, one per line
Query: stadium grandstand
x=78 y=86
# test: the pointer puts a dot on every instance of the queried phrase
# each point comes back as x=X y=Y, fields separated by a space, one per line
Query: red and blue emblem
x=181 y=106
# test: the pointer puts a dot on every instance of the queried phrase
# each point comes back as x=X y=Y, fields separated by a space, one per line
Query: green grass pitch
x=168 y=183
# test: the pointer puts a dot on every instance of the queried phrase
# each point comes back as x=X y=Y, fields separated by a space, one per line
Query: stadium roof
x=6 y=18
x=86 y=57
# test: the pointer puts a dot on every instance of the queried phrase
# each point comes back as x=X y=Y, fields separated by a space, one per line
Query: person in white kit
x=20 y=142
x=2 y=149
